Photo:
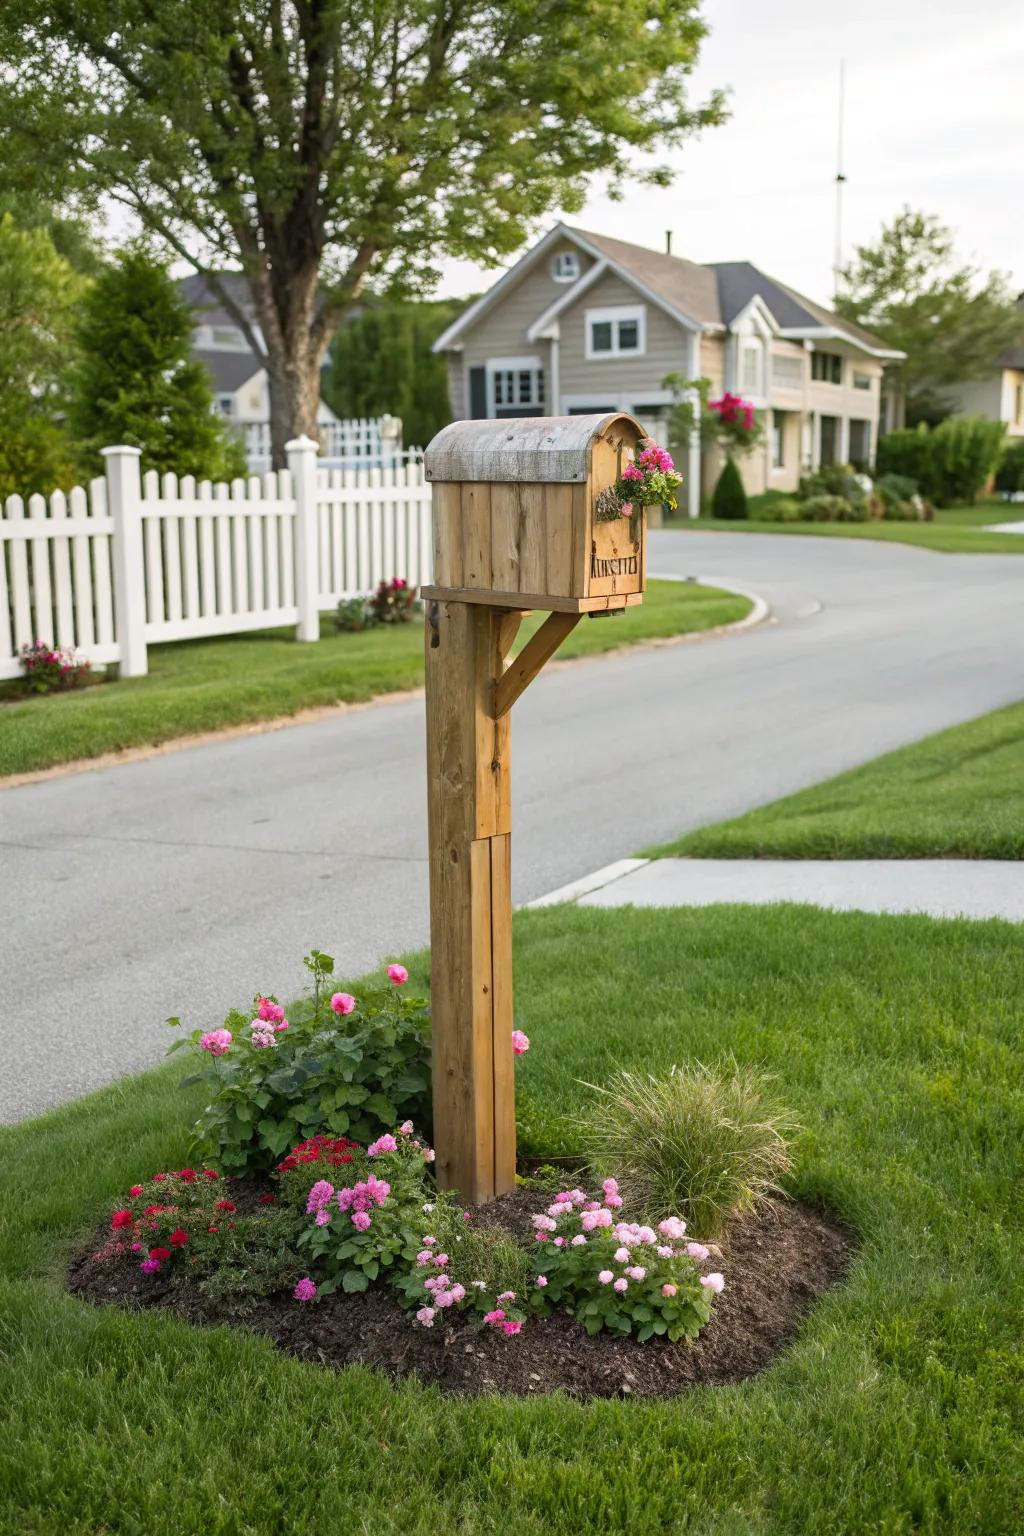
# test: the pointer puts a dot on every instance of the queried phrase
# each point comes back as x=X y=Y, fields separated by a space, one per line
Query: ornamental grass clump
x=702 y=1142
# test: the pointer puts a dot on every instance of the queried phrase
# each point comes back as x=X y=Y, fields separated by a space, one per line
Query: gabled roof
x=699 y=296
x=230 y=370
x=1013 y=357
x=740 y=281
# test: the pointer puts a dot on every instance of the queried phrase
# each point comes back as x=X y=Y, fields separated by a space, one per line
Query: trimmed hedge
x=951 y=463
x=729 y=499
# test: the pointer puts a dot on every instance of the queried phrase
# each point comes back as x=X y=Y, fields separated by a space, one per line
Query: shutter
x=477 y=393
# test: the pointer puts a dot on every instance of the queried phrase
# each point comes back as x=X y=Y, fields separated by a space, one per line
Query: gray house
x=584 y=323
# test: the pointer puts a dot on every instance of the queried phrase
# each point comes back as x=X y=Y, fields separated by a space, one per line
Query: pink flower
x=444 y=1298
x=715 y=1282
x=121 y=1219
x=637 y=1272
x=508 y=1327
x=544 y=1223
x=497 y=1316
x=323 y=1218
x=423 y=1257
x=632 y=472
x=440 y=1259
x=520 y=1044
x=262 y=1035
x=541 y=1281
x=150 y=1266
x=613 y=1201
x=697 y=1251
x=398 y=974
x=428 y=1242
x=606 y=1277
x=622 y=1255
x=457 y=1292
x=283 y=1025
x=361 y=1220
x=663 y=1252
x=305 y=1290
x=425 y=1315
x=136 y=1189
x=668 y=1290
x=559 y=1241
x=621 y=1285
x=507 y=1296
x=343 y=1002
x=626 y=510
x=578 y=1241
x=318 y=1196
x=609 y=1187
x=216 y=1041
x=385 y=1143
x=405 y=1129
x=672 y=1228
x=429 y=1154
x=271 y=1013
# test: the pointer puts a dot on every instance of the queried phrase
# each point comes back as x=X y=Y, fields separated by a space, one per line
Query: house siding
x=501 y=332
x=619 y=381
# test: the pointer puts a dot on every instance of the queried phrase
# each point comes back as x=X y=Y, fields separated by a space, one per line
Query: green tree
x=38 y=292
x=381 y=361
x=134 y=381
x=952 y=321
x=322 y=145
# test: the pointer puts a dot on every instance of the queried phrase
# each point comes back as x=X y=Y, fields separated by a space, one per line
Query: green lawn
x=204 y=685
x=958 y=794
x=955 y=531
x=898 y=1409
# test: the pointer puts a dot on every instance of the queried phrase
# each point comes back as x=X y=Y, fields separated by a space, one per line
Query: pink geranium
x=305 y=1290
x=270 y=1012
x=520 y=1043
x=343 y=1002
x=715 y=1282
x=398 y=974
x=216 y=1041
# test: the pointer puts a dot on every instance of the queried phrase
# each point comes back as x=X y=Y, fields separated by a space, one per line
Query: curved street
x=183 y=883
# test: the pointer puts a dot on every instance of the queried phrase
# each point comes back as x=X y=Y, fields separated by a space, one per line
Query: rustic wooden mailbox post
x=514 y=529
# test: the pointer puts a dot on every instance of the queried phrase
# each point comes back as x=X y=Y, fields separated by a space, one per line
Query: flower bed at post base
x=337 y=1241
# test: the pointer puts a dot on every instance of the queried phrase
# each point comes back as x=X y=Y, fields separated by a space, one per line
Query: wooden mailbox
x=516 y=528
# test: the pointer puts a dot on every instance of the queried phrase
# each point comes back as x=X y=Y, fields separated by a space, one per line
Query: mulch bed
x=776 y=1263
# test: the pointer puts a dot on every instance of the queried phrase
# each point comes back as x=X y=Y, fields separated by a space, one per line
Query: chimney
x=668 y=242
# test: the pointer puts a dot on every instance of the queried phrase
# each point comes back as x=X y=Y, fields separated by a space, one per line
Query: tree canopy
x=321 y=144
x=38 y=292
x=952 y=321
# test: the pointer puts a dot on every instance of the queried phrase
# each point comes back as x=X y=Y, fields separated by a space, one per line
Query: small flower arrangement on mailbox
x=649 y=481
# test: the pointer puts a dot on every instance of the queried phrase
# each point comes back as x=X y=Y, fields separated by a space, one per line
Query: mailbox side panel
x=615 y=553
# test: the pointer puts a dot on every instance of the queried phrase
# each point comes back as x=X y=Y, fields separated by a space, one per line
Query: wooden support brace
x=539 y=649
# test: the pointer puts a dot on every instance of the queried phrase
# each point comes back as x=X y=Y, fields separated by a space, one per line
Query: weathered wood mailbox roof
x=527 y=450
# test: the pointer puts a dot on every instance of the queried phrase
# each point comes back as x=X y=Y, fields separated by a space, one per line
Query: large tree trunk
x=294 y=387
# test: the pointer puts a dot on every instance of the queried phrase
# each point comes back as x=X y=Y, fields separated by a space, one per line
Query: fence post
x=302 y=456
x=124 y=496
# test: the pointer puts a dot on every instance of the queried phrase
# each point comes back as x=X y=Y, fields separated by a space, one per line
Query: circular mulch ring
x=776 y=1263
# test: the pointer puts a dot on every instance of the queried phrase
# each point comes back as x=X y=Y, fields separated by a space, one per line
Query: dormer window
x=566 y=267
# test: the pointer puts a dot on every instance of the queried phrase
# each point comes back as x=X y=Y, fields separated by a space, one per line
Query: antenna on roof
x=668 y=242
x=837 y=262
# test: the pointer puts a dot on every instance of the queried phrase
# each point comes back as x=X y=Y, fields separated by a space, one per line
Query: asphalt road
x=183 y=883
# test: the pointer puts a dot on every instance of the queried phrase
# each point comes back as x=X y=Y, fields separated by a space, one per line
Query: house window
x=224 y=404
x=827 y=367
x=787 y=371
x=517 y=386
x=616 y=332
x=229 y=338
x=566 y=267
x=751 y=367
x=779 y=419
x=860 y=444
x=861 y=380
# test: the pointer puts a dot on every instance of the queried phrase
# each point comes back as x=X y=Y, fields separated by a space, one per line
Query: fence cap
x=301 y=442
x=526 y=449
x=120 y=448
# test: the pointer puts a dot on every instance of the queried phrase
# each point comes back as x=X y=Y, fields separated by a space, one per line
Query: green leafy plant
x=339 y=1064
x=729 y=499
x=781 y=509
x=352 y=615
x=703 y=1142
x=825 y=508
x=840 y=480
x=1010 y=474
x=394 y=602
x=951 y=463
x=367 y=1218
x=465 y=1263
x=620 y=1275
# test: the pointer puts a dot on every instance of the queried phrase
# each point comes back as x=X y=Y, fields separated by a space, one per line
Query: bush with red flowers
x=394 y=602
x=338 y=1065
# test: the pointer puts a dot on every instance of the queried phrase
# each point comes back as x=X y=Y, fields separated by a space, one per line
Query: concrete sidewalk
x=938 y=887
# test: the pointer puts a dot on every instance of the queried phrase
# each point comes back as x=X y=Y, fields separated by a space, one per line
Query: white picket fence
x=139 y=559
x=358 y=440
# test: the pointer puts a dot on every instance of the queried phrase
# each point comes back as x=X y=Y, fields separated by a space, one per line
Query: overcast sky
x=934 y=118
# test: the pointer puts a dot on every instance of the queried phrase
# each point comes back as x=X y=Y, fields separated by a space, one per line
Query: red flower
x=266 y=1199
x=178 y=1238
x=151 y=1210
x=211 y=1229
x=209 y=1173
x=223 y=1205
x=289 y=1162
x=188 y=1174
x=160 y=1253
x=309 y=1157
x=158 y=1178
x=136 y=1189
x=121 y=1219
